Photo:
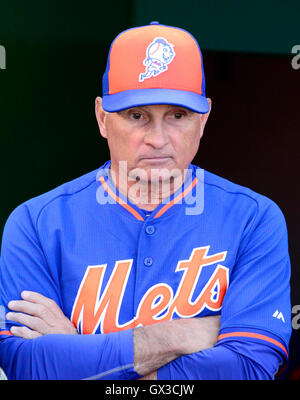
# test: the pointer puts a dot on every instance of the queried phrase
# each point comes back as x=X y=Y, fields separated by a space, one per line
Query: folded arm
x=153 y=346
x=177 y=349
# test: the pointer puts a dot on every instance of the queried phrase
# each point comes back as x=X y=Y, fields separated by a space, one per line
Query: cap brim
x=143 y=97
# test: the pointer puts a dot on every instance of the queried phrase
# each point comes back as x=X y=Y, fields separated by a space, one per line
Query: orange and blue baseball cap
x=154 y=64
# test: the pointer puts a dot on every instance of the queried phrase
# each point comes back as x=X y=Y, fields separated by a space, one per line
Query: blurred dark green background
x=55 y=57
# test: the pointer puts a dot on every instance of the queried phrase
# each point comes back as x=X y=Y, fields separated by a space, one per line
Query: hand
x=39 y=313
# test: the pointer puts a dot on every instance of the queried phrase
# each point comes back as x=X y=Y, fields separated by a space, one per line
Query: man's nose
x=156 y=136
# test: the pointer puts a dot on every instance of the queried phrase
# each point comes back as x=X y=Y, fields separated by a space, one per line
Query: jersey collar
x=164 y=208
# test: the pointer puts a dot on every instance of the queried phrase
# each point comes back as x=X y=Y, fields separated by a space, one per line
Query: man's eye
x=178 y=115
x=136 y=115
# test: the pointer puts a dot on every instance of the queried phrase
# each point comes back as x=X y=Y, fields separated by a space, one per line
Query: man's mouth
x=155 y=159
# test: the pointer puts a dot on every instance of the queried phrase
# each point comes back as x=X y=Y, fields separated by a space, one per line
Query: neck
x=146 y=194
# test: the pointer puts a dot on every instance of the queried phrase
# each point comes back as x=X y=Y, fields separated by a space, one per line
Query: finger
x=23 y=332
x=34 y=323
x=38 y=298
x=34 y=309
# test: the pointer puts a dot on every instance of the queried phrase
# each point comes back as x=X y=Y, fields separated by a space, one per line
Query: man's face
x=160 y=140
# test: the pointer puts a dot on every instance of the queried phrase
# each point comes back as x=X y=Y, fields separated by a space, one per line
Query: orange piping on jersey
x=176 y=199
x=255 y=336
x=120 y=201
x=5 y=333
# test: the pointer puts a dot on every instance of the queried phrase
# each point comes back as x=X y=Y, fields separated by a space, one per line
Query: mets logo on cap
x=159 y=54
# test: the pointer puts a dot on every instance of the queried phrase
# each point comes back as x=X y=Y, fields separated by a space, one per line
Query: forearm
x=69 y=356
x=161 y=343
x=152 y=349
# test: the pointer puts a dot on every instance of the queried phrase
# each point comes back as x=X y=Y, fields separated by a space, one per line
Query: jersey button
x=150 y=229
x=148 y=261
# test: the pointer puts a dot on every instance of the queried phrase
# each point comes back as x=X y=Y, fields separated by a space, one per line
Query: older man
x=124 y=273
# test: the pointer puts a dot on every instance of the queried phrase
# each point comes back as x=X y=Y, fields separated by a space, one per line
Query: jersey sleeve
x=237 y=360
x=256 y=311
x=257 y=304
x=23 y=266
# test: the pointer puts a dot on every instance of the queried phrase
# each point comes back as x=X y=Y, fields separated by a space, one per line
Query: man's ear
x=204 y=117
x=100 y=116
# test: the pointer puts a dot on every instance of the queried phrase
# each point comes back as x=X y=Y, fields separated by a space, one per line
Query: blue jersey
x=213 y=247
